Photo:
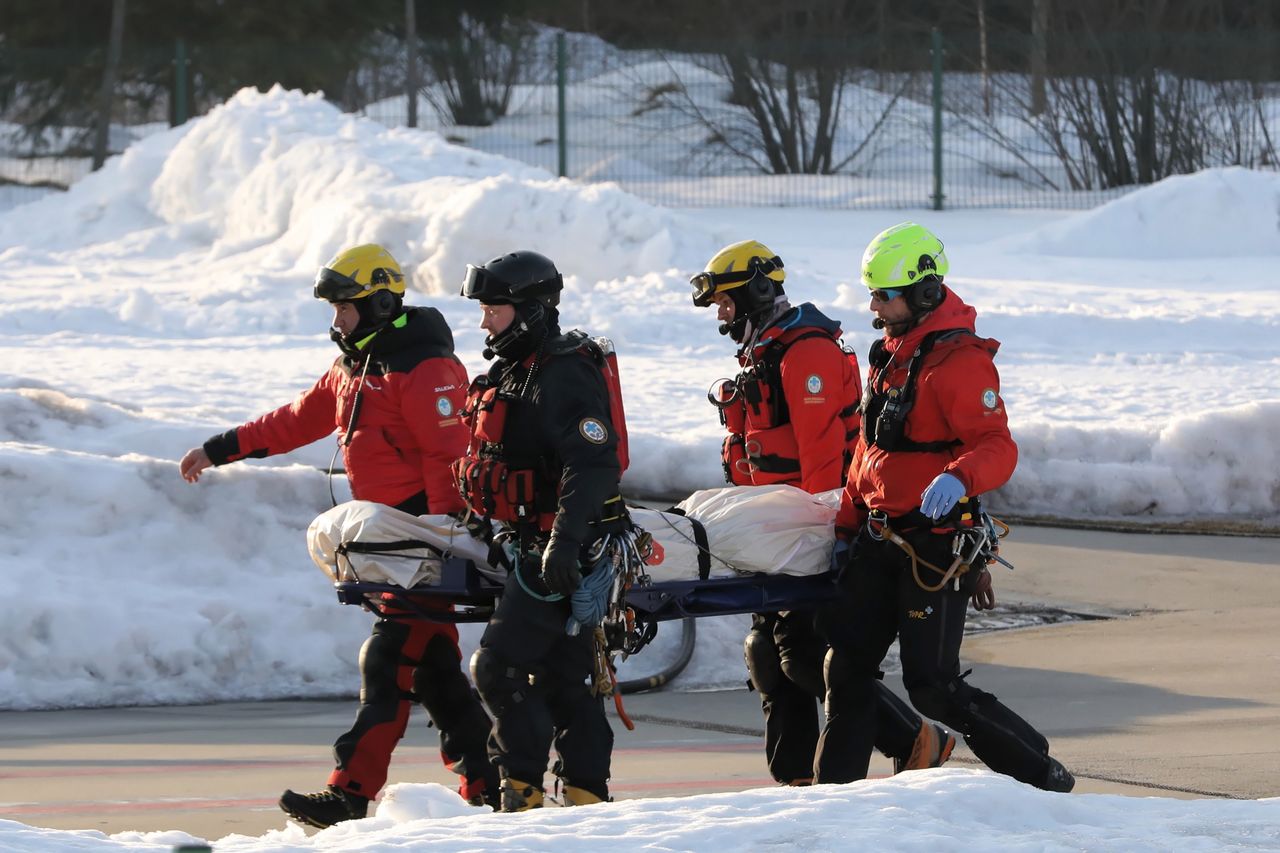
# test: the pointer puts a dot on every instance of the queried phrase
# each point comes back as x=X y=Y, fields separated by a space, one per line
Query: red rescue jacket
x=792 y=413
x=407 y=431
x=957 y=409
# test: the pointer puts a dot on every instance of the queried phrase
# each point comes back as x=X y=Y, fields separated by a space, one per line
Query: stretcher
x=761 y=549
x=473 y=594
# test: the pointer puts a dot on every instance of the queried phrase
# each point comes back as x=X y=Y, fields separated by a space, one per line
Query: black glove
x=560 y=570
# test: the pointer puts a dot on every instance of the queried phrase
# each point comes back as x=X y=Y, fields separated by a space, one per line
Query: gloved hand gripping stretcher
x=720 y=551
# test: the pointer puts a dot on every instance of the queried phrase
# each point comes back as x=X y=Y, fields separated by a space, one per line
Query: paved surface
x=1179 y=696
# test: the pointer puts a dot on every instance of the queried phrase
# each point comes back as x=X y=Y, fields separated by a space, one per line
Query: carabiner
x=716 y=393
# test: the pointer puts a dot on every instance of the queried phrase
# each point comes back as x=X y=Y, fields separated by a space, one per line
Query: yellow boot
x=517 y=796
x=575 y=796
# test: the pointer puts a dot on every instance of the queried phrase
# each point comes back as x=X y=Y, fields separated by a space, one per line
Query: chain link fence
x=961 y=120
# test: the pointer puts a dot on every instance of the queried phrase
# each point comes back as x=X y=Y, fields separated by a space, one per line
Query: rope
x=959 y=567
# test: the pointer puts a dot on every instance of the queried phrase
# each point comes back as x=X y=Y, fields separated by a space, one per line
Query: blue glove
x=941 y=495
x=590 y=601
x=839 y=555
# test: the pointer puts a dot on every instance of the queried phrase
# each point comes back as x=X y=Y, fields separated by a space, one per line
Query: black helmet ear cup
x=382 y=304
x=926 y=295
x=760 y=291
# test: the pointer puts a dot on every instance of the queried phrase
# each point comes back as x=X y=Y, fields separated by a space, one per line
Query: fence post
x=937 y=119
x=179 y=82
x=562 y=143
x=411 y=56
x=107 y=92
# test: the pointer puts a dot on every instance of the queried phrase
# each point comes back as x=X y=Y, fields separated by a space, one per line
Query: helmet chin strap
x=508 y=343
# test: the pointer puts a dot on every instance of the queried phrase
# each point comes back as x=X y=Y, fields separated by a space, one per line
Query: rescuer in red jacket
x=393 y=397
x=934 y=437
x=792 y=418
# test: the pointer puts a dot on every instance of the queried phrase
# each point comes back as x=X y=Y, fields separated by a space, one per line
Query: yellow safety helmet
x=735 y=266
x=359 y=272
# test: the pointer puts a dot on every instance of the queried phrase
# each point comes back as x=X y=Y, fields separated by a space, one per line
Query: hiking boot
x=324 y=809
x=517 y=796
x=572 y=795
x=932 y=749
x=478 y=793
x=1057 y=778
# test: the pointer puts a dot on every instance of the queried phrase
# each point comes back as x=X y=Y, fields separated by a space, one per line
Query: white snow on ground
x=935 y=810
x=167 y=297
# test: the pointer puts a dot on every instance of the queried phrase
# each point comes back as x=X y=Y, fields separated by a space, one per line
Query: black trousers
x=786 y=657
x=880 y=600
x=536 y=681
x=400 y=663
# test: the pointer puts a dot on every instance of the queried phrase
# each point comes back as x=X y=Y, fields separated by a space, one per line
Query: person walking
x=934 y=438
x=392 y=397
x=792 y=417
x=543 y=460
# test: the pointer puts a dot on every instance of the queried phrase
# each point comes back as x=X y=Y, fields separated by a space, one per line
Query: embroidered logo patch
x=813 y=384
x=593 y=431
x=990 y=398
x=444 y=406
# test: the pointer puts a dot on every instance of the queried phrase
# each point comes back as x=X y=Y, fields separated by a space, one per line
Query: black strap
x=386 y=547
x=771 y=463
x=700 y=539
x=771 y=363
x=873 y=400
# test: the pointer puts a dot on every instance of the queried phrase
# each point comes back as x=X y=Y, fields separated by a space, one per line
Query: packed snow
x=168 y=297
x=947 y=811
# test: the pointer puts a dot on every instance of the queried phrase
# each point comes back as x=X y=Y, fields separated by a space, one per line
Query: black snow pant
x=400 y=663
x=785 y=657
x=536 y=681
x=879 y=600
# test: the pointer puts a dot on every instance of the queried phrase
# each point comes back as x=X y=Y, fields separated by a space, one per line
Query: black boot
x=324 y=809
x=1057 y=778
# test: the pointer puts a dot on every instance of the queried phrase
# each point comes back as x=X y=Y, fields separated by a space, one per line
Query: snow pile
x=947 y=810
x=1220 y=213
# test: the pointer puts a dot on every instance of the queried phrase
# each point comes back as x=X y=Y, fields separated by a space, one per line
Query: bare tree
x=476 y=66
x=790 y=70
x=107 y=94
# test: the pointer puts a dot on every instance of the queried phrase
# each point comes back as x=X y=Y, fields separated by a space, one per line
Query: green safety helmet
x=902 y=256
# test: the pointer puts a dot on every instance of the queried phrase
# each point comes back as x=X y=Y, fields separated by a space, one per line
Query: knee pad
x=379 y=663
x=948 y=703
x=763 y=664
x=501 y=684
x=806 y=672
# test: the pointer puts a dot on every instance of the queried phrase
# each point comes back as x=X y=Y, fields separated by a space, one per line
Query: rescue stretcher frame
x=473 y=595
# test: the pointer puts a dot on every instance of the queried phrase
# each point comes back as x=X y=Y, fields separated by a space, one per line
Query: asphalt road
x=1175 y=693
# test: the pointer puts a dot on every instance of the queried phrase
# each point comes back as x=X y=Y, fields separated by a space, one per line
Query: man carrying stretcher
x=792 y=417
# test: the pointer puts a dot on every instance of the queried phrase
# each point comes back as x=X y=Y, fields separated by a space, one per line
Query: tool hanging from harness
x=885 y=411
x=753 y=408
x=975 y=542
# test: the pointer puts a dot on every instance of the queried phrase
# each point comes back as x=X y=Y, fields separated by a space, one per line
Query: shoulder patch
x=593 y=431
x=444 y=406
x=990 y=399
x=813 y=384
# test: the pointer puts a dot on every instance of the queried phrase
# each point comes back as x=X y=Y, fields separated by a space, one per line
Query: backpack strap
x=884 y=414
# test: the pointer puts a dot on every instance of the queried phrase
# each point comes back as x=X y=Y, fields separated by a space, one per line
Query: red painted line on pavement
x=88 y=807
x=197 y=765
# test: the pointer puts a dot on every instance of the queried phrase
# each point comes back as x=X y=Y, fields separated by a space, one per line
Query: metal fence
x=959 y=121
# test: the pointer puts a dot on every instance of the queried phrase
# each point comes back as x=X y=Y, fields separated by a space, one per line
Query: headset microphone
x=487 y=354
x=725 y=328
x=878 y=323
